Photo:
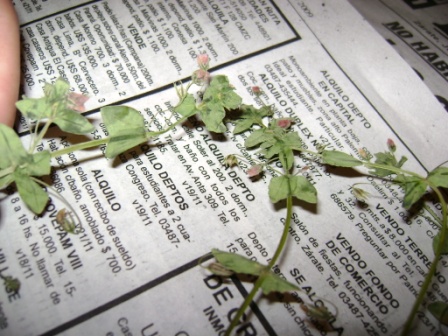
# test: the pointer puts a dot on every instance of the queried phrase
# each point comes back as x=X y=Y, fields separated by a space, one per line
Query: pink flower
x=256 y=90
x=201 y=77
x=391 y=145
x=76 y=101
x=203 y=61
x=254 y=170
x=284 y=123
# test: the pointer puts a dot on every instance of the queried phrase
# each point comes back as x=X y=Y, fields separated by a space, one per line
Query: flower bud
x=284 y=123
x=391 y=145
x=254 y=170
x=203 y=61
x=256 y=91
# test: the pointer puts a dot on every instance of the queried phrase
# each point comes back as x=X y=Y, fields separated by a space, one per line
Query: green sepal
x=339 y=159
x=187 y=107
x=436 y=243
x=439 y=177
x=280 y=187
x=440 y=311
x=126 y=128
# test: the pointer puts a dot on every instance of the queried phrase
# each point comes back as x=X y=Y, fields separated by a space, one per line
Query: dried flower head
x=254 y=170
x=363 y=153
x=203 y=61
x=360 y=194
x=65 y=220
x=230 y=161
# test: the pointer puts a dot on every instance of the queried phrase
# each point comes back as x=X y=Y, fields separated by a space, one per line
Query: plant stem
x=261 y=278
x=433 y=268
x=80 y=146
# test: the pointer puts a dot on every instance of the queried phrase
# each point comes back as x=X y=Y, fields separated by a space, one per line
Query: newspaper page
x=153 y=214
x=418 y=30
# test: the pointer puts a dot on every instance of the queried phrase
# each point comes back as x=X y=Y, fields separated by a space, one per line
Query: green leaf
x=34 y=108
x=240 y=264
x=436 y=243
x=31 y=193
x=250 y=115
x=339 y=159
x=302 y=189
x=126 y=128
x=237 y=263
x=221 y=91
x=187 y=107
x=414 y=189
x=40 y=164
x=257 y=137
x=218 y=97
x=73 y=122
x=13 y=152
x=273 y=283
x=212 y=115
x=440 y=311
x=387 y=159
x=439 y=177
x=278 y=188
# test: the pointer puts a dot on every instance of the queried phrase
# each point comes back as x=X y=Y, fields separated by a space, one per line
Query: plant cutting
x=217 y=105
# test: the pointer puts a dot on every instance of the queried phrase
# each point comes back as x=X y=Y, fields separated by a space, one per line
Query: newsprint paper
x=151 y=216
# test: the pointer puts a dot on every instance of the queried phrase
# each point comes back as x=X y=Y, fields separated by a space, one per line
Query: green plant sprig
x=275 y=139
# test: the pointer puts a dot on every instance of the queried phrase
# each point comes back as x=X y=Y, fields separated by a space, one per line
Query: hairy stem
x=261 y=278
x=432 y=270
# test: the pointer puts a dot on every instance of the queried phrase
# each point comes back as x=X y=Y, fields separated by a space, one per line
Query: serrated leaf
x=237 y=263
x=250 y=115
x=436 y=242
x=339 y=159
x=187 y=106
x=439 y=177
x=440 y=311
x=302 y=189
x=31 y=193
x=413 y=191
x=221 y=91
x=73 y=122
x=278 y=188
x=126 y=128
x=273 y=283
